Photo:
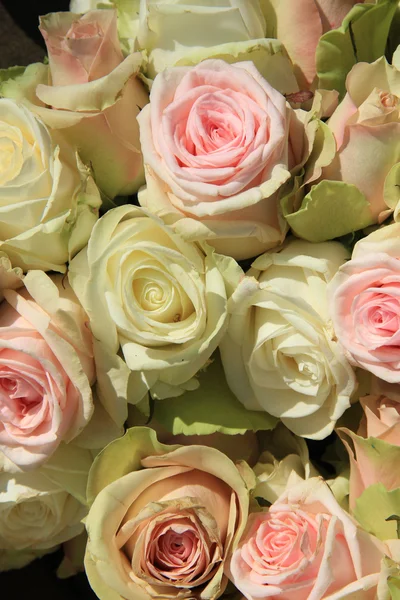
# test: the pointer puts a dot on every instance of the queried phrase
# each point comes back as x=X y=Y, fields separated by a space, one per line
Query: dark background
x=20 y=40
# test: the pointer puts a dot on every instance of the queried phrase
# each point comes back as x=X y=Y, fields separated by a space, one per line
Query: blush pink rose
x=91 y=93
x=366 y=126
x=46 y=369
x=306 y=546
x=215 y=145
x=381 y=417
x=365 y=304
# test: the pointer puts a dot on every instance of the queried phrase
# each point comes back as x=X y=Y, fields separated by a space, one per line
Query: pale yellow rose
x=48 y=201
x=158 y=298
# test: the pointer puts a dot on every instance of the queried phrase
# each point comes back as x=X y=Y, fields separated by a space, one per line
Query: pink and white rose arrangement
x=199 y=206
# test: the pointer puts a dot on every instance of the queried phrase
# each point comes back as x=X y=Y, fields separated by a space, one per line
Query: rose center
x=11 y=157
x=19 y=400
x=175 y=548
x=82 y=30
x=388 y=100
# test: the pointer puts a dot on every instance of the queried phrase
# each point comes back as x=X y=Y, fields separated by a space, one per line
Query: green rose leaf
x=210 y=408
x=347 y=207
x=11 y=73
x=373 y=508
x=362 y=37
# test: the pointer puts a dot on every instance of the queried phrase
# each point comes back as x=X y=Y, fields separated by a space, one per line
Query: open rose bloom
x=46 y=369
x=163 y=520
x=215 y=145
x=305 y=546
x=365 y=307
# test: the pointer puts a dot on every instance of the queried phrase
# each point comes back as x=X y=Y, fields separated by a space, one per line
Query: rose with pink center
x=215 y=145
x=305 y=546
x=46 y=369
x=365 y=304
x=164 y=523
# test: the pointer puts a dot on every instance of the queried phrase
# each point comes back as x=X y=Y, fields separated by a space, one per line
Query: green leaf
x=210 y=408
x=346 y=205
x=362 y=37
x=373 y=508
x=11 y=73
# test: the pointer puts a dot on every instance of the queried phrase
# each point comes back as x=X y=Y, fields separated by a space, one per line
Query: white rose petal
x=279 y=353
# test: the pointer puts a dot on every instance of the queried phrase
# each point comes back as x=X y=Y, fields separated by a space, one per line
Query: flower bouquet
x=200 y=299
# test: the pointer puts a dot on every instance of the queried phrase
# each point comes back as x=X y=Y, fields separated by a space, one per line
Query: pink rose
x=91 y=93
x=305 y=546
x=46 y=369
x=215 y=145
x=381 y=417
x=299 y=24
x=365 y=304
x=366 y=126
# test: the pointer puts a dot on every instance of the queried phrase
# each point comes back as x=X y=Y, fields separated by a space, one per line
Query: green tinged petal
x=268 y=55
x=123 y=456
x=347 y=207
x=374 y=506
x=394 y=587
x=210 y=408
x=361 y=38
x=69 y=468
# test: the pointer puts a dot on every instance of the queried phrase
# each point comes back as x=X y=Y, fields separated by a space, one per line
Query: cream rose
x=174 y=31
x=48 y=201
x=163 y=519
x=215 y=145
x=35 y=515
x=46 y=369
x=279 y=353
x=306 y=546
x=159 y=298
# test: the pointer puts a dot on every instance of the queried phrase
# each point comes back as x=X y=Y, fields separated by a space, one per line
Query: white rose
x=36 y=514
x=155 y=296
x=48 y=201
x=279 y=353
x=173 y=30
